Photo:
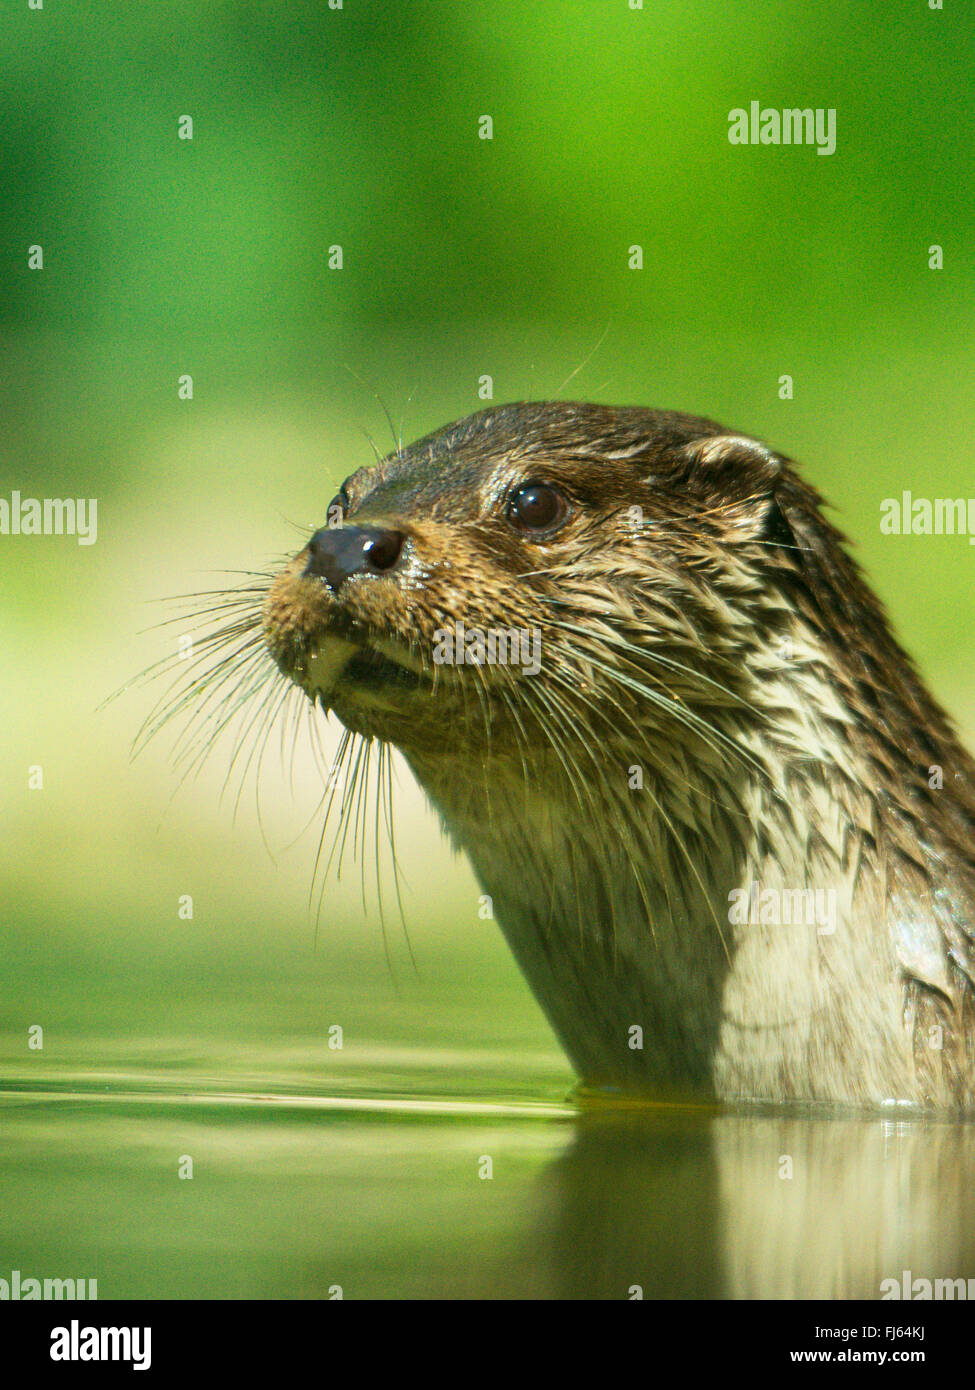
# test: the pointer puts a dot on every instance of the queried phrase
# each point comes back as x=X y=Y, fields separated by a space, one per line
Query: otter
x=726 y=831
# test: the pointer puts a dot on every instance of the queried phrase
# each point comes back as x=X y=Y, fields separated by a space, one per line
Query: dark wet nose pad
x=336 y=553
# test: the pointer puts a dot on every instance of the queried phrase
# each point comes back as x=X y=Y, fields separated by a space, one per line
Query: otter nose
x=336 y=553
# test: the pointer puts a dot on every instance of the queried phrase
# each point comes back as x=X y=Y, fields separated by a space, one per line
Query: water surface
x=390 y=1183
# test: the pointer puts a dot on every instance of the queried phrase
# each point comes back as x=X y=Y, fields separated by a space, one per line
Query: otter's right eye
x=537 y=507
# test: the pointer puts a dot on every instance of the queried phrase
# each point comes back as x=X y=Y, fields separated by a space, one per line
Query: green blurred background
x=462 y=258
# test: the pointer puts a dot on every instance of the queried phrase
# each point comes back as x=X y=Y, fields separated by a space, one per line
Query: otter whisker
x=372 y=443
x=641 y=743
x=226 y=605
x=648 y=653
x=585 y=361
x=181 y=663
x=346 y=805
x=263 y=719
x=386 y=767
x=357 y=826
x=180 y=696
x=337 y=778
x=306 y=715
x=679 y=711
x=197 y=743
x=246 y=672
x=572 y=769
x=679 y=844
x=630 y=838
x=397 y=441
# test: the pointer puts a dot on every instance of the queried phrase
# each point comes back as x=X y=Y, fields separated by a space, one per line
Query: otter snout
x=336 y=553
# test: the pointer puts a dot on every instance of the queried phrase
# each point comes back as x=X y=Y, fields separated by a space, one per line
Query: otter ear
x=737 y=477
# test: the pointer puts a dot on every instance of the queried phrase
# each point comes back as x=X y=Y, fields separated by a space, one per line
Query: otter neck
x=714 y=928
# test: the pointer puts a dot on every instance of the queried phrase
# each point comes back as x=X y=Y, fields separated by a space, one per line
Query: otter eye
x=537 y=507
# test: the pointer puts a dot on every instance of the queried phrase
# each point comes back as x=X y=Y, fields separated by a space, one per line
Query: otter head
x=532 y=572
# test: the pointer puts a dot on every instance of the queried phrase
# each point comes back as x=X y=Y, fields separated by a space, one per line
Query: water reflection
x=692 y=1205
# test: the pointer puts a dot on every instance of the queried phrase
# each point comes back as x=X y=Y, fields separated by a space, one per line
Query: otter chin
x=727 y=832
